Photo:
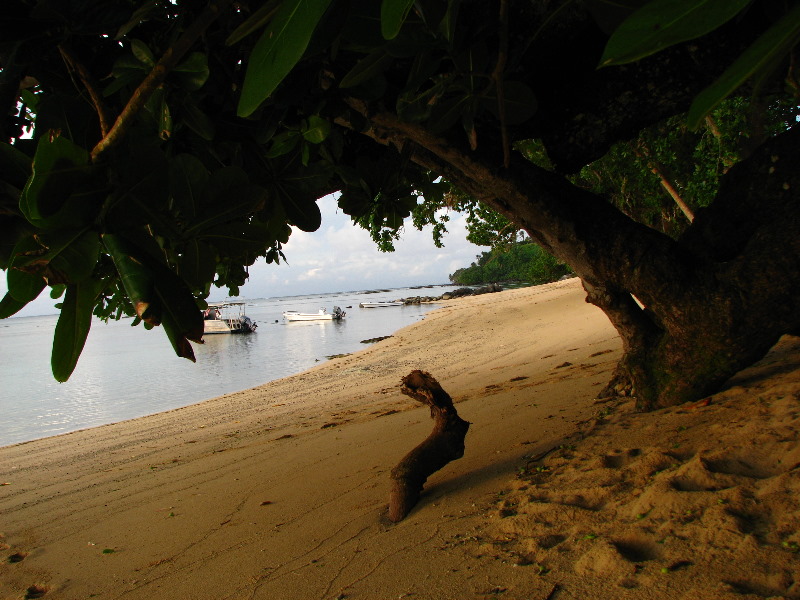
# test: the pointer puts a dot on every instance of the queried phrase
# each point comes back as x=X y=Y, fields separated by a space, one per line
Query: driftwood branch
x=444 y=444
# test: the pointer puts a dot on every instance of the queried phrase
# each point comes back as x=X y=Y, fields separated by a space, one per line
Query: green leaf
x=129 y=65
x=247 y=198
x=280 y=48
x=181 y=318
x=58 y=167
x=237 y=238
x=180 y=343
x=159 y=296
x=120 y=81
x=198 y=263
x=15 y=166
x=520 y=102
x=159 y=109
x=447 y=26
x=193 y=72
x=139 y=15
x=73 y=254
x=142 y=53
x=447 y=113
x=372 y=65
x=73 y=327
x=137 y=279
x=302 y=212
x=256 y=21
x=393 y=15
x=23 y=285
x=198 y=121
x=775 y=43
x=188 y=184
x=317 y=131
x=283 y=143
x=663 y=23
x=225 y=183
x=10 y=306
x=66 y=255
x=141 y=195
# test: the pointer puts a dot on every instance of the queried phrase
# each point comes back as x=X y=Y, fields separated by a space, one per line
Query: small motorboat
x=323 y=315
x=379 y=304
x=227 y=317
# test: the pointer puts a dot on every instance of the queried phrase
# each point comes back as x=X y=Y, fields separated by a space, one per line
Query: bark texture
x=444 y=444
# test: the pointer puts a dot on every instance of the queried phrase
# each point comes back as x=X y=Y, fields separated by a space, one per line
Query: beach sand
x=280 y=492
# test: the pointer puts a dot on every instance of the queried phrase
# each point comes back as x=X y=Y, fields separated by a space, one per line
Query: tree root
x=444 y=444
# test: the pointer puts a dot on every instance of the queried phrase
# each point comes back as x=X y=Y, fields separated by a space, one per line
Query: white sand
x=280 y=492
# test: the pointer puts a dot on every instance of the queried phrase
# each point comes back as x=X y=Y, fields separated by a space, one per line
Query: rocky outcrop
x=457 y=293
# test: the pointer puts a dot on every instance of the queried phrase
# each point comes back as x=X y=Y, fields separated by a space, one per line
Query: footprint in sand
x=35 y=591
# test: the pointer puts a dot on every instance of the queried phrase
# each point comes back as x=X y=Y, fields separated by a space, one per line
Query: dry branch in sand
x=444 y=444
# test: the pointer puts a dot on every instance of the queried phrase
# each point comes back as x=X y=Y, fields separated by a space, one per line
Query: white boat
x=379 y=304
x=322 y=315
x=227 y=317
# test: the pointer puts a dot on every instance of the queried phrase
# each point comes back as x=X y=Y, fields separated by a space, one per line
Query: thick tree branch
x=156 y=77
x=575 y=225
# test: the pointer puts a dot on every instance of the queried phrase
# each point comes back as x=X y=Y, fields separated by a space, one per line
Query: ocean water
x=127 y=372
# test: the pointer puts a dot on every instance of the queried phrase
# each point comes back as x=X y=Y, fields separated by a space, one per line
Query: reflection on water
x=126 y=372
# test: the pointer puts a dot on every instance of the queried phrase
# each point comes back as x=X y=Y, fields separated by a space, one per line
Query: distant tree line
x=524 y=261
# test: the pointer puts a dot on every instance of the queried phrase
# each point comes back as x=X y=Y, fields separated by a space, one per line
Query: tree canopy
x=174 y=143
x=522 y=262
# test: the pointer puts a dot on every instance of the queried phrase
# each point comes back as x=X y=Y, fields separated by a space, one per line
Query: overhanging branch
x=575 y=225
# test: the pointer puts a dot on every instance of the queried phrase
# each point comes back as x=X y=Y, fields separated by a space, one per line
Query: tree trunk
x=709 y=304
x=444 y=444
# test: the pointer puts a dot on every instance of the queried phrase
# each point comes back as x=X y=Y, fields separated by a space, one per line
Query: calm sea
x=127 y=372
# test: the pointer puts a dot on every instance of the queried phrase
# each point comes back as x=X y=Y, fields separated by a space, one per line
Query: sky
x=341 y=257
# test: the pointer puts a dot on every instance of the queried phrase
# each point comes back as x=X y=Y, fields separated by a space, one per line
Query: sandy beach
x=280 y=492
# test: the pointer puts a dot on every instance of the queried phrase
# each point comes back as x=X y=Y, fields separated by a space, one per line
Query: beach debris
x=376 y=339
x=444 y=444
